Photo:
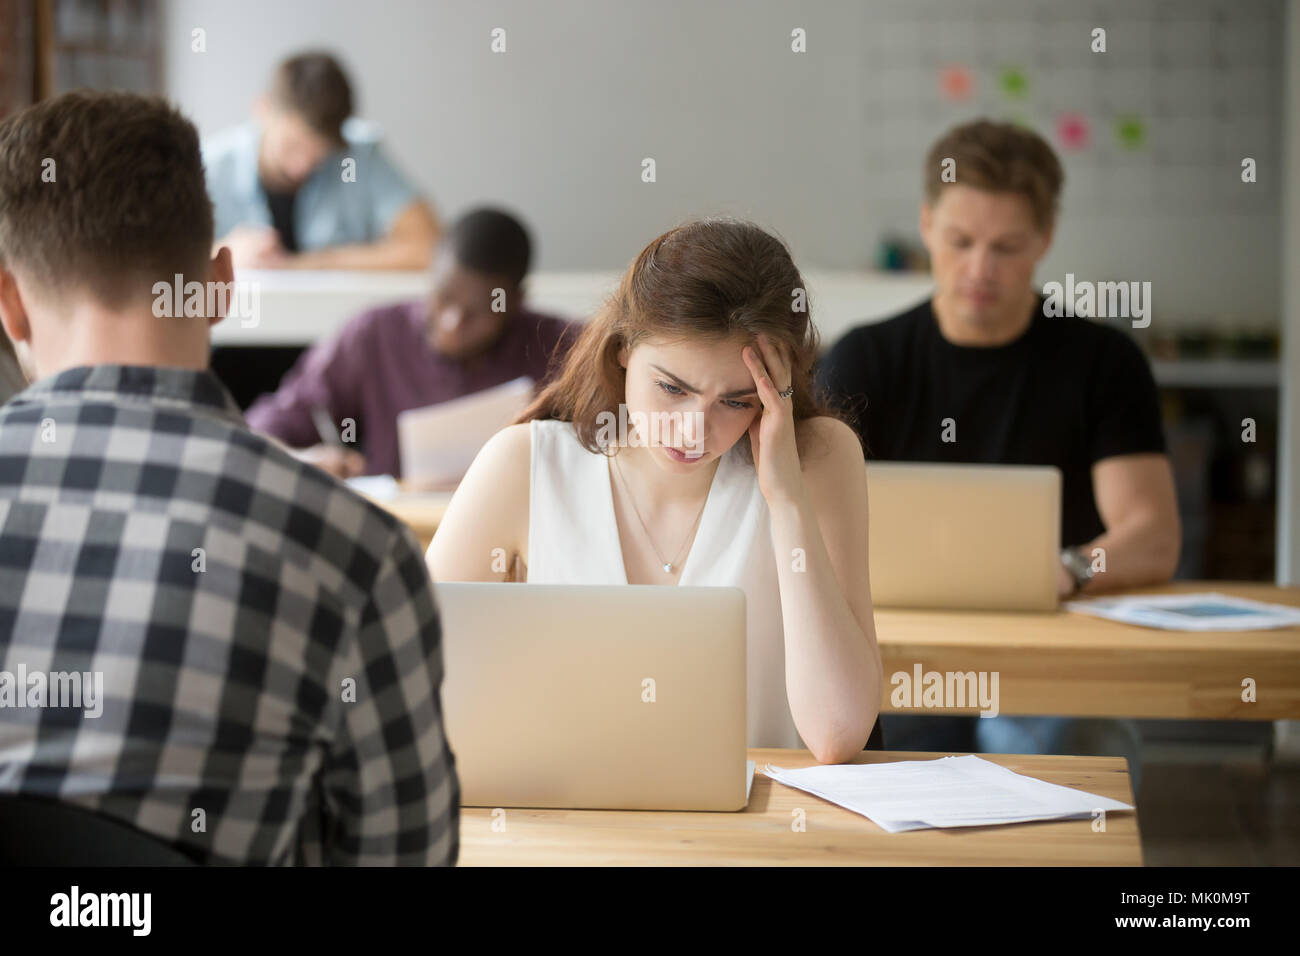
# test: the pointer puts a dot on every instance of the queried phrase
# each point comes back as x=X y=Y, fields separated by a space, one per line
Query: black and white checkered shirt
x=269 y=647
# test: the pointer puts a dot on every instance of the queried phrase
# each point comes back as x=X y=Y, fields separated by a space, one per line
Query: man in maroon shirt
x=472 y=333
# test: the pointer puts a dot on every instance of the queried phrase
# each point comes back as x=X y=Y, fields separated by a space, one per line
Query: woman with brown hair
x=742 y=479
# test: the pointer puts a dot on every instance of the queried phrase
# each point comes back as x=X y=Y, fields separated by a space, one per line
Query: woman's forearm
x=832 y=663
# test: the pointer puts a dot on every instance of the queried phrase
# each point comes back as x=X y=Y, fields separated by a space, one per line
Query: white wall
x=1288 y=503
x=557 y=127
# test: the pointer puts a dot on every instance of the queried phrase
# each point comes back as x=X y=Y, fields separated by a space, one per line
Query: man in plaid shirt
x=268 y=643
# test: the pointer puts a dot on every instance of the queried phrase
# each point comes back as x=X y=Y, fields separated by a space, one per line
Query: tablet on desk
x=1204 y=611
x=437 y=444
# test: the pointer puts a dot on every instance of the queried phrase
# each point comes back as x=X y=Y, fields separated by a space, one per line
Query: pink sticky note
x=1072 y=130
x=956 y=82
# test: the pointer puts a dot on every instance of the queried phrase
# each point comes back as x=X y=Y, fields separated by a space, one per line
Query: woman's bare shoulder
x=515 y=443
x=503 y=463
x=488 y=511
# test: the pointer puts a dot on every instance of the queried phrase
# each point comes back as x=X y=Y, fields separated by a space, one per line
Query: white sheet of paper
x=1203 y=611
x=378 y=487
x=750 y=766
x=438 y=443
x=945 y=792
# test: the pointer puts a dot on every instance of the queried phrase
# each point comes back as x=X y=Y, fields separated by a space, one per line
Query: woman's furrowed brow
x=736 y=393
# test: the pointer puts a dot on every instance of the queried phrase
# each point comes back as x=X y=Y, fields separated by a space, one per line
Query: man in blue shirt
x=306 y=185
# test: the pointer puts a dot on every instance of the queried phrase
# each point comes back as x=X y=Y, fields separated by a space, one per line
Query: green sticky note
x=1013 y=82
x=1132 y=132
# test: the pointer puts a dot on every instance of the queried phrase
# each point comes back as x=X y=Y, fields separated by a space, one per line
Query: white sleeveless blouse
x=573 y=539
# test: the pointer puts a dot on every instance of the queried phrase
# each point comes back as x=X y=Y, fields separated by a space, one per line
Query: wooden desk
x=762 y=834
x=1076 y=665
x=421 y=510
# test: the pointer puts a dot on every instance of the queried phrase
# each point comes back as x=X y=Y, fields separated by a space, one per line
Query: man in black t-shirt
x=1065 y=391
x=980 y=373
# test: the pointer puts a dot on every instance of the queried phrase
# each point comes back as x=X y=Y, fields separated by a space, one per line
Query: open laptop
x=628 y=697
x=964 y=537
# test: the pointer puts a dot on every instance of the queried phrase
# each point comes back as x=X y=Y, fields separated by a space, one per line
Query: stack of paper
x=945 y=792
x=1209 y=611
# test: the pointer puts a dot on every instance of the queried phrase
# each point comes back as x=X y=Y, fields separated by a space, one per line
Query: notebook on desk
x=627 y=697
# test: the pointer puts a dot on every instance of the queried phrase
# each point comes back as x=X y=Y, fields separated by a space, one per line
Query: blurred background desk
x=1068 y=664
x=301 y=307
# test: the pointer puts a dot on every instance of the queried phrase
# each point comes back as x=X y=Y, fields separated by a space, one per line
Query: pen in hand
x=332 y=455
x=325 y=428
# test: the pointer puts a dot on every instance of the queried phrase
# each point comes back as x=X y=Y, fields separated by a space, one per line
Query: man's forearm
x=1139 y=552
x=283 y=418
x=385 y=254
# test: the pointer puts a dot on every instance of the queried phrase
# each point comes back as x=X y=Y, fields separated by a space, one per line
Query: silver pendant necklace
x=667 y=565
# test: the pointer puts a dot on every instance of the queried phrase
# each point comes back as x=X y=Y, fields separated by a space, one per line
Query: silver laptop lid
x=964 y=537
x=608 y=697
